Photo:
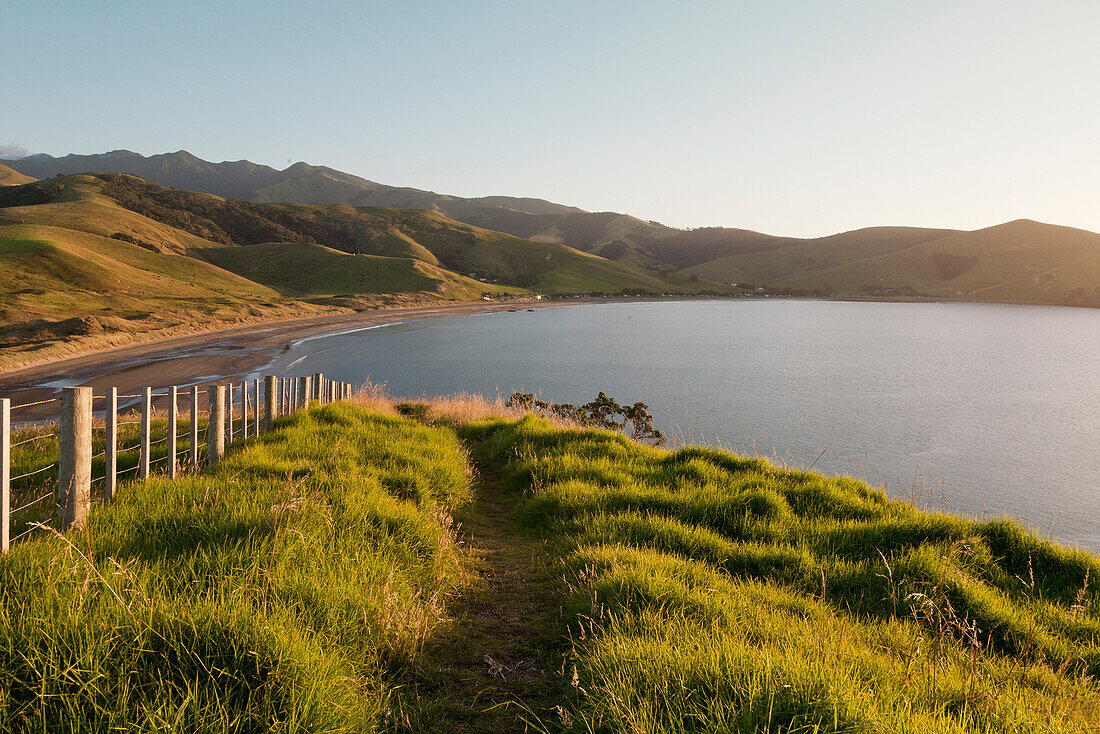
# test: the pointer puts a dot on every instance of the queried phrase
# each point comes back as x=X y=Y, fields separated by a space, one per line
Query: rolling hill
x=94 y=261
x=527 y=242
x=1021 y=261
x=535 y=243
x=9 y=177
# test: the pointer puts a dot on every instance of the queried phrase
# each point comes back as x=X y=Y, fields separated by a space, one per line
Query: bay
x=979 y=409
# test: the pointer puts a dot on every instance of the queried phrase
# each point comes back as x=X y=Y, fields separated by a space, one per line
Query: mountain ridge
x=869 y=261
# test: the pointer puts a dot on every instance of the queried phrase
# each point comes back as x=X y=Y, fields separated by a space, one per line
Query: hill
x=93 y=261
x=862 y=263
x=527 y=218
x=9 y=177
x=458 y=566
x=1020 y=262
x=786 y=257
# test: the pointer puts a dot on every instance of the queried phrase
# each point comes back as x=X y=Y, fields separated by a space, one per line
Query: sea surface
x=977 y=409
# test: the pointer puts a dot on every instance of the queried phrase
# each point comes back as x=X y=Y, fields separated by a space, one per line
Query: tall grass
x=285 y=590
x=35 y=453
x=712 y=592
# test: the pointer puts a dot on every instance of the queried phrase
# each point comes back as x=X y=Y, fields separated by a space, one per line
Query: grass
x=354 y=571
x=310 y=270
x=64 y=291
x=93 y=262
x=711 y=592
x=36 y=449
x=284 y=590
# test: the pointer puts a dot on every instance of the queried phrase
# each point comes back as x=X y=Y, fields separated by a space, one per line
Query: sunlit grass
x=717 y=593
x=278 y=591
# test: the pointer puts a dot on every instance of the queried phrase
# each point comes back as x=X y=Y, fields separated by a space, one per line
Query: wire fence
x=64 y=456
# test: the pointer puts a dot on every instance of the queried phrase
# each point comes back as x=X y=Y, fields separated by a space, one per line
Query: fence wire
x=36 y=438
x=36 y=471
x=243 y=406
x=32 y=503
x=38 y=402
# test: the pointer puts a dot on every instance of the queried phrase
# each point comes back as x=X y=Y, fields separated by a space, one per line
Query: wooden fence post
x=146 y=432
x=271 y=397
x=5 y=474
x=193 y=449
x=307 y=390
x=229 y=414
x=74 y=466
x=318 y=387
x=215 y=428
x=110 y=473
x=244 y=410
x=173 y=416
x=256 y=408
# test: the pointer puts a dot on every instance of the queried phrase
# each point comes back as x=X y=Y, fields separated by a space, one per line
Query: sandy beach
x=214 y=355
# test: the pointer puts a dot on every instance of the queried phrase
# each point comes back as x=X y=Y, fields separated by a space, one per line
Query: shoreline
x=238 y=351
x=214 y=355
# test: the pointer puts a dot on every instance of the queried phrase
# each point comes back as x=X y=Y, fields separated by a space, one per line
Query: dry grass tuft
x=455 y=410
x=372 y=396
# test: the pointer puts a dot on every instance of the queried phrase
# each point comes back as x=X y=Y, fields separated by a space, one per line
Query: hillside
x=94 y=261
x=302 y=183
x=1021 y=262
x=9 y=177
x=458 y=566
x=788 y=257
x=868 y=262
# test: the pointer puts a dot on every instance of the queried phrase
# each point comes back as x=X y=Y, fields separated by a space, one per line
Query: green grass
x=309 y=270
x=717 y=593
x=284 y=590
x=35 y=449
x=314 y=581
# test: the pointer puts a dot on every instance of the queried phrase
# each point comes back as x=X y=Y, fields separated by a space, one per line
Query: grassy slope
x=284 y=590
x=8 y=177
x=80 y=205
x=299 y=586
x=63 y=291
x=189 y=223
x=796 y=256
x=296 y=269
x=716 y=593
x=1020 y=261
x=500 y=258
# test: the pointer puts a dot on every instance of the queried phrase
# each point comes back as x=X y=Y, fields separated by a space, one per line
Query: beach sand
x=209 y=356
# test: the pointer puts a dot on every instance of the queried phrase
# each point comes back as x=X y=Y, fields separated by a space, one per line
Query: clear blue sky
x=793 y=117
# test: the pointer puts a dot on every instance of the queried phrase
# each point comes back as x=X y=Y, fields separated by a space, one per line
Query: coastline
x=238 y=351
x=215 y=354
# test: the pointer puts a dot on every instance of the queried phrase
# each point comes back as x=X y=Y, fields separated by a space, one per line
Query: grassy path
x=496 y=664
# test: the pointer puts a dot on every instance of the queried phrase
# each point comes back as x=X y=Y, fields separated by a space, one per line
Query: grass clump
x=286 y=589
x=710 y=592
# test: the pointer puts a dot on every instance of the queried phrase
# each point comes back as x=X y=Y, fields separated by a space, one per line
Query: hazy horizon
x=800 y=120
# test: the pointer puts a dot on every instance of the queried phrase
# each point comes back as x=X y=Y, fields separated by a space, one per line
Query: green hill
x=64 y=291
x=787 y=257
x=1021 y=262
x=491 y=237
x=94 y=261
x=495 y=236
x=456 y=566
x=299 y=270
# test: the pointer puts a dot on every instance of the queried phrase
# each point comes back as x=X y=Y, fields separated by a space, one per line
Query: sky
x=786 y=116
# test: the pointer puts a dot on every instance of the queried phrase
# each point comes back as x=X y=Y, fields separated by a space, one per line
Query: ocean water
x=972 y=408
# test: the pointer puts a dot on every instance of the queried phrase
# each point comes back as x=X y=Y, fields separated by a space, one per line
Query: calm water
x=984 y=409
